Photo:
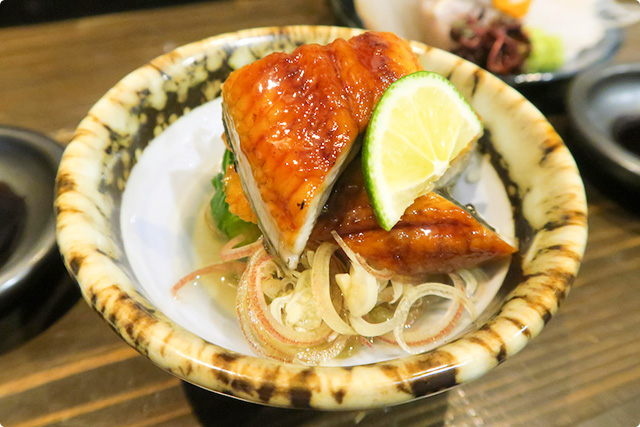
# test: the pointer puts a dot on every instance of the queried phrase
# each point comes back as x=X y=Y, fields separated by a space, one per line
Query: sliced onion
x=390 y=293
x=359 y=290
x=272 y=287
x=247 y=324
x=385 y=295
x=469 y=280
x=366 y=329
x=229 y=252
x=271 y=336
x=300 y=311
x=411 y=295
x=435 y=333
x=259 y=333
x=436 y=289
x=265 y=344
x=306 y=259
x=369 y=329
x=321 y=288
x=398 y=290
x=399 y=319
x=252 y=327
x=359 y=260
x=278 y=331
x=221 y=267
x=277 y=305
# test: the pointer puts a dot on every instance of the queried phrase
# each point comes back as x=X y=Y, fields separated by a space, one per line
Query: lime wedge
x=420 y=124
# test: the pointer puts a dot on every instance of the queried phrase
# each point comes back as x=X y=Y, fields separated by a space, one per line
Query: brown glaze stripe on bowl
x=541 y=177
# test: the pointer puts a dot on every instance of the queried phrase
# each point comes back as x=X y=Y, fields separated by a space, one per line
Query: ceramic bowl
x=28 y=165
x=605 y=115
x=544 y=193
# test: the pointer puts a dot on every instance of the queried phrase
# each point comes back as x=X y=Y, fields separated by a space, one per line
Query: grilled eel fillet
x=293 y=122
x=433 y=236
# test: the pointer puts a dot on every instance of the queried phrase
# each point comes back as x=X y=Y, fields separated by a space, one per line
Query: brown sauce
x=13 y=215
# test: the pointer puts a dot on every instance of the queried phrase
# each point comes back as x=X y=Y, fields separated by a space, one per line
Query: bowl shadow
x=212 y=409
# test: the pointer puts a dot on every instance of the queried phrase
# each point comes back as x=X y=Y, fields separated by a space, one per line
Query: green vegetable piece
x=229 y=224
x=547 y=52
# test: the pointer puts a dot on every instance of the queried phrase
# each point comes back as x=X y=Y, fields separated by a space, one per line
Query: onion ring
x=229 y=252
x=356 y=258
x=436 y=289
x=272 y=327
x=321 y=289
x=230 y=266
x=247 y=326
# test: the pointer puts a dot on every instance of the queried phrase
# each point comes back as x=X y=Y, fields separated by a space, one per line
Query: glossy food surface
x=293 y=119
x=433 y=236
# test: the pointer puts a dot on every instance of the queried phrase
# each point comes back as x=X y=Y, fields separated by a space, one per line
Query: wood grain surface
x=60 y=365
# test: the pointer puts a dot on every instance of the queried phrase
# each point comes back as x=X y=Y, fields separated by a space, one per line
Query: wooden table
x=584 y=369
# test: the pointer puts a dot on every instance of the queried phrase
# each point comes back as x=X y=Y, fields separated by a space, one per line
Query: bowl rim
x=108 y=289
x=11 y=279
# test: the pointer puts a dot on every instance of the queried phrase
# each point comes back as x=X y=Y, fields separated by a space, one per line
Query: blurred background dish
x=602 y=52
x=558 y=51
x=604 y=108
x=34 y=288
x=28 y=164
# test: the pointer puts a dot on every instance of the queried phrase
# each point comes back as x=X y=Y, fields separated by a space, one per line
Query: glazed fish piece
x=293 y=122
x=434 y=236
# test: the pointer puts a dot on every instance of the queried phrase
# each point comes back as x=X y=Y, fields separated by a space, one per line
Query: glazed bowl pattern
x=540 y=176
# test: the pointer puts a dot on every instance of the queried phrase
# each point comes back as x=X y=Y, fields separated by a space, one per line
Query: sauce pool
x=207 y=242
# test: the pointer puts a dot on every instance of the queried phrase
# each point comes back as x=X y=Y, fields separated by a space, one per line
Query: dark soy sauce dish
x=626 y=132
x=35 y=290
x=604 y=107
x=13 y=216
x=28 y=164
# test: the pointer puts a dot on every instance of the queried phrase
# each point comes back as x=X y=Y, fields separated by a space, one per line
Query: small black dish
x=28 y=166
x=604 y=108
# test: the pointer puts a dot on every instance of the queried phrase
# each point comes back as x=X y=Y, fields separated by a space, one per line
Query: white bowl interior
x=165 y=237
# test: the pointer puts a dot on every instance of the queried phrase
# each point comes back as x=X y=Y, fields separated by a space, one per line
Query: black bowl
x=604 y=107
x=28 y=165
